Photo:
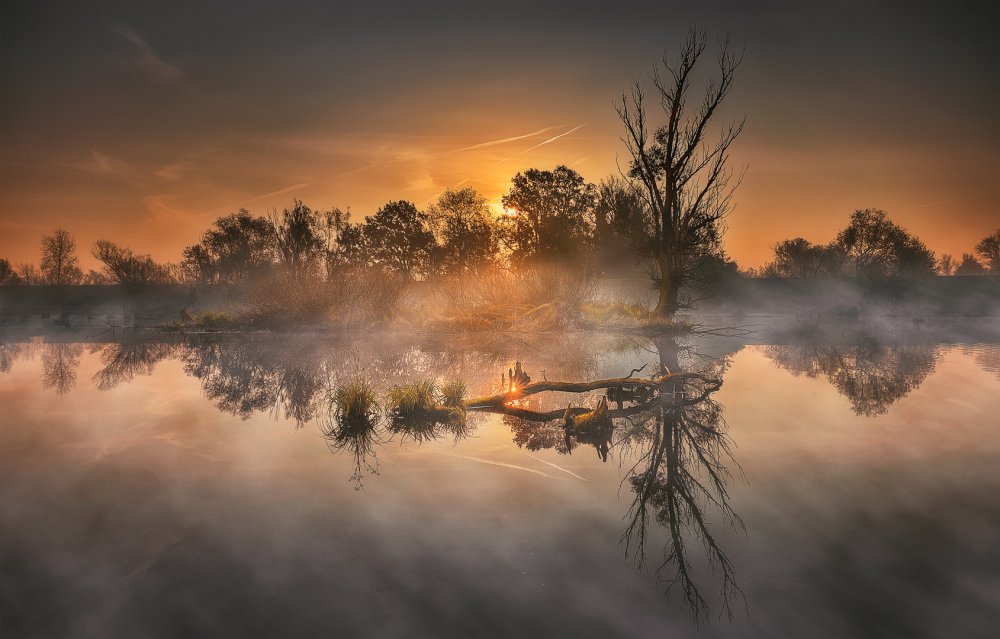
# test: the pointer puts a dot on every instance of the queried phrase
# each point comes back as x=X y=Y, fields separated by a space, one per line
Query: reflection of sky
x=144 y=507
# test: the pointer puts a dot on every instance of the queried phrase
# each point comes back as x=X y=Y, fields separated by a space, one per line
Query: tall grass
x=354 y=297
x=525 y=299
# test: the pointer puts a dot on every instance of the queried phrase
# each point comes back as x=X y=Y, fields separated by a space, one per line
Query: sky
x=144 y=122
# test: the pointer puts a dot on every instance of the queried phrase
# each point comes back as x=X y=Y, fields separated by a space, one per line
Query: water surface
x=158 y=485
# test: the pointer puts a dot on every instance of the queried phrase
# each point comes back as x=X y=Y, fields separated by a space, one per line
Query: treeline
x=873 y=246
x=547 y=217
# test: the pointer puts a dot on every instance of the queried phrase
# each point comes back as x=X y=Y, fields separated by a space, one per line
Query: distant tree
x=298 y=237
x=122 y=266
x=801 y=258
x=59 y=263
x=946 y=265
x=549 y=215
x=879 y=247
x=28 y=274
x=466 y=232
x=398 y=237
x=333 y=223
x=686 y=181
x=970 y=266
x=8 y=275
x=238 y=246
x=352 y=246
x=620 y=210
x=989 y=250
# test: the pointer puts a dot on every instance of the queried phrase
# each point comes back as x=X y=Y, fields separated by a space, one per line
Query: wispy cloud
x=940 y=202
x=543 y=143
x=287 y=189
x=147 y=59
x=483 y=145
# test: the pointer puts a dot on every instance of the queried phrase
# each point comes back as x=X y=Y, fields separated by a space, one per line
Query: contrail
x=483 y=145
x=514 y=466
x=957 y=199
x=549 y=141
x=278 y=192
x=568 y=472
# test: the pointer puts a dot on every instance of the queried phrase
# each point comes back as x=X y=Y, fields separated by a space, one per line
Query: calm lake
x=840 y=483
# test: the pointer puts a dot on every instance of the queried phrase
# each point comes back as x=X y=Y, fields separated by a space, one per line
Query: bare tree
x=123 y=266
x=946 y=264
x=59 y=263
x=684 y=178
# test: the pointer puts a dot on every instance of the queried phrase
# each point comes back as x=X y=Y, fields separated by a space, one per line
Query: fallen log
x=500 y=399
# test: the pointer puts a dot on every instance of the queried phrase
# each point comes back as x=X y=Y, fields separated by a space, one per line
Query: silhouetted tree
x=238 y=246
x=969 y=266
x=59 y=263
x=946 y=265
x=620 y=217
x=8 y=275
x=399 y=238
x=465 y=230
x=685 y=180
x=549 y=215
x=28 y=274
x=989 y=250
x=122 y=266
x=333 y=223
x=801 y=258
x=298 y=239
x=879 y=247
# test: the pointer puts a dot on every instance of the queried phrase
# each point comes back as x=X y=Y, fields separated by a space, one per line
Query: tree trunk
x=666 y=303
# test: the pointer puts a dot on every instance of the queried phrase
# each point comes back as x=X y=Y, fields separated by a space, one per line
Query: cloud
x=483 y=145
x=287 y=189
x=147 y=59
x=543 y=143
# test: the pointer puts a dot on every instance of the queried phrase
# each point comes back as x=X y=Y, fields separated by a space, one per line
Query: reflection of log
x=582 y=387
x=497 y=403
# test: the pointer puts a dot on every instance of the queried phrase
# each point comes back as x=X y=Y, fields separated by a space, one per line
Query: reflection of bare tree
x=871 y=376
x=682 y=451
x=59 y=364
x=988 y=358
x=124 y=361
x=247 y=376
x=9 y=354
x=683 y=470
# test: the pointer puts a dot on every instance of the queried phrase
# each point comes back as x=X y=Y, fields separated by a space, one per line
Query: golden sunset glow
x=166 y=131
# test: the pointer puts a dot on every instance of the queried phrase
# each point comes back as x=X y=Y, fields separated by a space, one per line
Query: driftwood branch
x=500 y=399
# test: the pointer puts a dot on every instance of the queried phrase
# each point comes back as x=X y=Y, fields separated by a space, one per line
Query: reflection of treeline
x=872 y=376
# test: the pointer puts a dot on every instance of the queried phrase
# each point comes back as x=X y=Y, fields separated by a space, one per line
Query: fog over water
x=161 y=485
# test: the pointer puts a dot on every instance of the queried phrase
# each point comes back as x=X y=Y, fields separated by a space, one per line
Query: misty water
x=166 y=485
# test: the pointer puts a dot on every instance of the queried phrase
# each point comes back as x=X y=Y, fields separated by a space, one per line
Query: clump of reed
x=355 y=400
x=406 y=400
x=351 y=423
x=453 y=393
x=423 y=410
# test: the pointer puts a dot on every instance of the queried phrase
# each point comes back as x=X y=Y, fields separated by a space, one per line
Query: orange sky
x=143 y=125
